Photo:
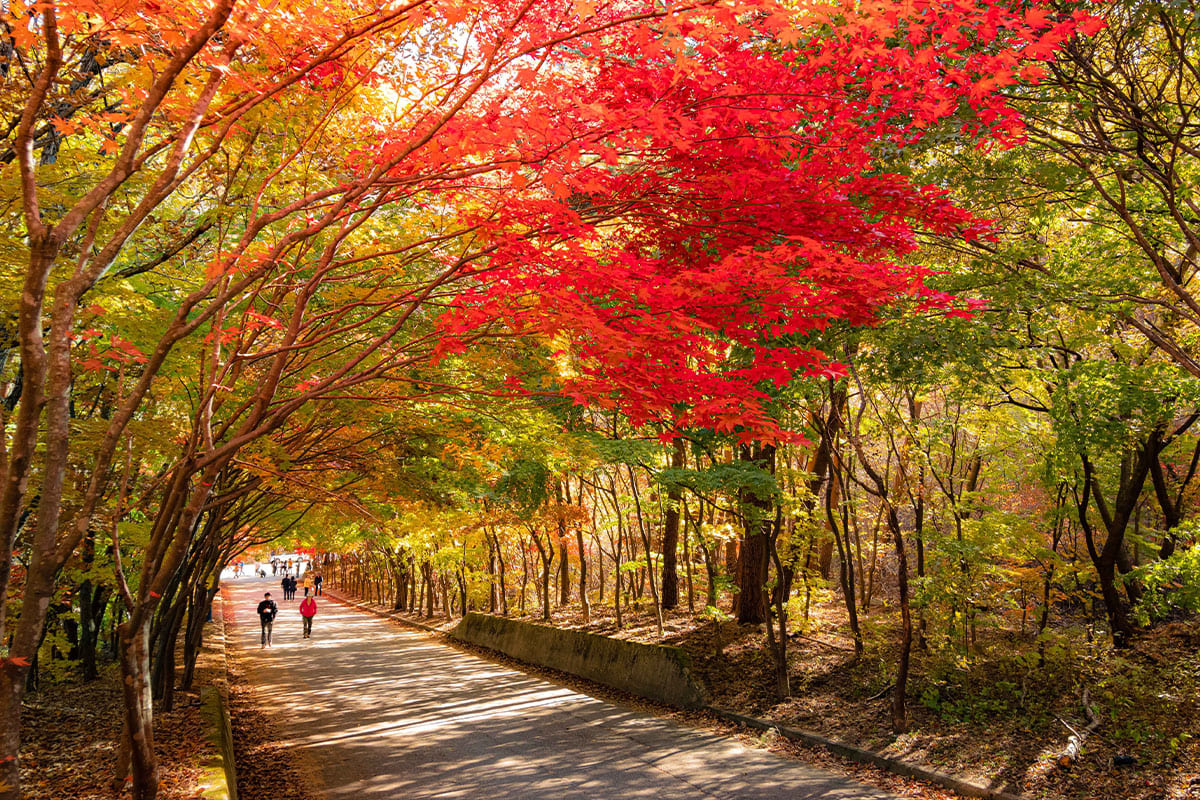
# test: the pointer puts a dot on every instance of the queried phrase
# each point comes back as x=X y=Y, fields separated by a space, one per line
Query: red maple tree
x=693 y=199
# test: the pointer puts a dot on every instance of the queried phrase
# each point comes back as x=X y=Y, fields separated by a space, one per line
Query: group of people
x=268 y=610
x=278 y=564
x=239 y=569
x=312 y=585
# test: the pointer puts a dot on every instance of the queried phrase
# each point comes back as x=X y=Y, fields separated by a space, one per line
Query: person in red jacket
x=308 y=610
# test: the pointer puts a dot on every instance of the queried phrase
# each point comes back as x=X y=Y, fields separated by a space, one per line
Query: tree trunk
x=503 y=579
x=584 y=601
x=778 y=642
x=461 y=576
x=400 y=600
x=670 y=542
x=13 y=673
x=899 y=711
x=1104 y=557
x=919 y=536
x=492 y=599
x=524 y=596
x=841 y=535
x=163 y=672
x=546 y=556
x=755 y=555
x=649 y=572
x=564 y=564
x=617 y=581
x=687 y=560
x=414 y=596
x=900 y=691
x=92 y=602
x=197 y=615
x=429 y=588
x=135 y=672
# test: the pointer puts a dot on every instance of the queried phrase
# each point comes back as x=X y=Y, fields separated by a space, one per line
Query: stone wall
x=655 y=672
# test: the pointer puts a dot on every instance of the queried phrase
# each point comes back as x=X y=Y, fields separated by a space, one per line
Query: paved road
x=384 y=712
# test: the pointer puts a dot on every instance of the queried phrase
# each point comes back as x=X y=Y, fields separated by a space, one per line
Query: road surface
x=380 y=711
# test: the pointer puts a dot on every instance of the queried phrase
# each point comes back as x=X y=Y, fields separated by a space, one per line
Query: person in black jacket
x=266 y=615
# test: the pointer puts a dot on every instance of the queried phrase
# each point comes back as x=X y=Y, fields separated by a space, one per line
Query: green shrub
x=1171 y=585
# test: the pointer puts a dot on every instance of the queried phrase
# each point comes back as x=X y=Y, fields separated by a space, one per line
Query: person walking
x=317 y=581
x=266 y=616
x=308 y=584
x=284 y=585
x=308 y=610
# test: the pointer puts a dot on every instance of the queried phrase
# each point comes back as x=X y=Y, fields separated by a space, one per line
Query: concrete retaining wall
x=218 y=779
x=656 y=672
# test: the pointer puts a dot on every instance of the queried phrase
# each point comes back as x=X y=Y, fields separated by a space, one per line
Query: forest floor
x=994 y=717
x=70 y=732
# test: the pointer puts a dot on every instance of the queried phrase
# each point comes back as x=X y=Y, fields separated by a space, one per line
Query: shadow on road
x=382 y=712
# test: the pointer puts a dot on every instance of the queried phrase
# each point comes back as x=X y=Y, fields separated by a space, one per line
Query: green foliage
x=632 y=452
x=1132 y=699
x=1099 y=404
x=1170 y=586
x=526 y=484
x=995 y=699
x=1009 y=686
x=728 y=478
x=715 y=614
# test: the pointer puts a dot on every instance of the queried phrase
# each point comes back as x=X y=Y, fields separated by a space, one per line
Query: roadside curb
x=894 y=765
x=219 y=781
x=379 y=612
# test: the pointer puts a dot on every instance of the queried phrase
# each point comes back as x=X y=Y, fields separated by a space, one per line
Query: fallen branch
x=882 y=692
x=798 y=635
x=1075 y=741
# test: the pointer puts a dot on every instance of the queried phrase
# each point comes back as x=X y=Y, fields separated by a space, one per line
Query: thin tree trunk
x=546 y=555
x=670 y=542
x=841 y=535
x=585 y=602
x=899 y=693
x=637 y=501
x=503 y=580
x=492 y=598
x=778 y=643
x=564 y=564
x=429 y=589
x=687 y=559
x=899 y=712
